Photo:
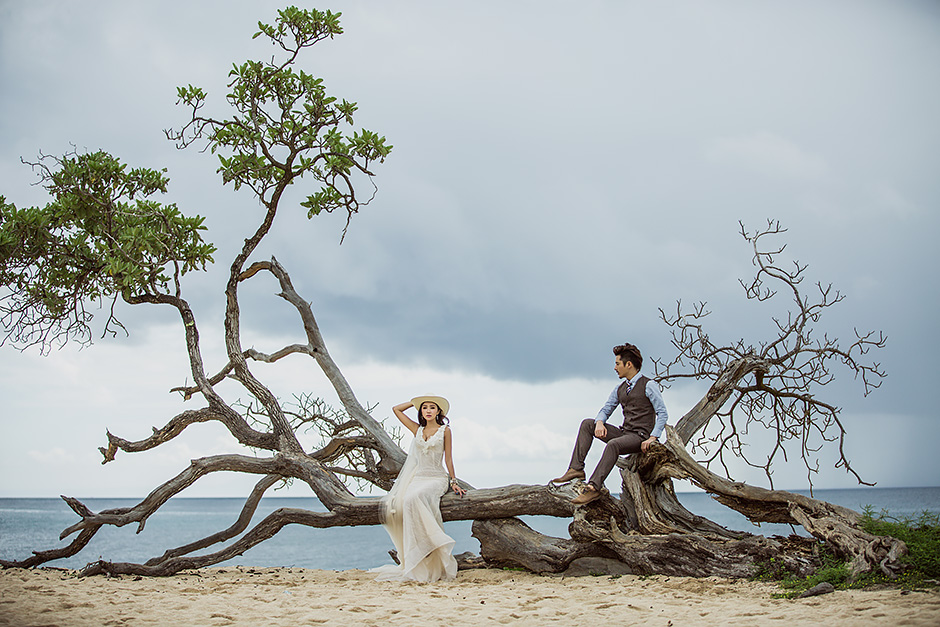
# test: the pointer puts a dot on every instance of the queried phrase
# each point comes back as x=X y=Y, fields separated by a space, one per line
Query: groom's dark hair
x=629 y=352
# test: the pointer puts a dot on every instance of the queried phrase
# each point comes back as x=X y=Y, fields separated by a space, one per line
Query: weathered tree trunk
x=348 y=510
x=649 y=531
x=510 y=542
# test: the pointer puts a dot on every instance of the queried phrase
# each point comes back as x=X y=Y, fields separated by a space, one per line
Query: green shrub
x=921 y=534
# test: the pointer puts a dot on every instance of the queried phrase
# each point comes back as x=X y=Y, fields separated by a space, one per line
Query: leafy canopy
x=101 y=236
x=285 y=125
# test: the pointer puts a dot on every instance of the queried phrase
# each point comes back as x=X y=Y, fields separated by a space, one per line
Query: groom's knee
x=624 y=445
x=586 y=432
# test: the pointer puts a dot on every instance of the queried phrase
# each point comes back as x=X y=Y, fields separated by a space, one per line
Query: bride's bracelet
x=453 y=482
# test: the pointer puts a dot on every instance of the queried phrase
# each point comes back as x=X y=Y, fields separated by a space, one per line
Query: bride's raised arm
x=410 y=424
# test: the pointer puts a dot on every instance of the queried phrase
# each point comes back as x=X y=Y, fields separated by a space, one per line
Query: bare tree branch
x=236 y=425
x=774 y=384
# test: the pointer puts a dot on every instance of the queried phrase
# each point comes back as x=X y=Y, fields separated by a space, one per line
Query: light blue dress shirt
x=652 y=392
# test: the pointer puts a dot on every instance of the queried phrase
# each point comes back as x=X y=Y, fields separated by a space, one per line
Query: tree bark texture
x=649 y=531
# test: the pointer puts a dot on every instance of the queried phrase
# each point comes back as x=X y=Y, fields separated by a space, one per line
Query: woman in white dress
x=411 y=511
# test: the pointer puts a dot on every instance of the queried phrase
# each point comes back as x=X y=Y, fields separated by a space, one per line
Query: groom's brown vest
x=638 y=413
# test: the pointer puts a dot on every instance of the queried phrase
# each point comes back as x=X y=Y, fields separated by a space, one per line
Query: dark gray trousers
x=619 y=442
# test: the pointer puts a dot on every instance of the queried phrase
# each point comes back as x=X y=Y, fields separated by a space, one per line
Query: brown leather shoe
x=590 y=494
x=571 y=475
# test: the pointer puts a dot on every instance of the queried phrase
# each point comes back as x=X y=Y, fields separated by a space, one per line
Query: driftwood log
x=647 y=531
x=650 y=532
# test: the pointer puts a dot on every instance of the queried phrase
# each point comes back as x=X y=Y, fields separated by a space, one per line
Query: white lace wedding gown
x=412 y=516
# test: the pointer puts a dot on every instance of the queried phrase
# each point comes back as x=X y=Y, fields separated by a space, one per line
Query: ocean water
x=35 y=524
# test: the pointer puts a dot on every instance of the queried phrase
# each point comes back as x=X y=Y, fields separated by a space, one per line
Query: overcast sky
x=560 y=171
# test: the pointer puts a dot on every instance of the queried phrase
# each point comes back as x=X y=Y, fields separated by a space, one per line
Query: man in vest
x=644 y=418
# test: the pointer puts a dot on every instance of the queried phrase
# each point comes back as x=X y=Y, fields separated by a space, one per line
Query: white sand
x=295 y=596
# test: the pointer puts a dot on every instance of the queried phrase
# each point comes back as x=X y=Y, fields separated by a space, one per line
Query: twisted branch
x=774 y=384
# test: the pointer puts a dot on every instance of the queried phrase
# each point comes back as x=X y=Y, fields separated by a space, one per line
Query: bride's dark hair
x=441 y=419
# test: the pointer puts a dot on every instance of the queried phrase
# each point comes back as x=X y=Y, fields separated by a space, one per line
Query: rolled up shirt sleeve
x=609 y=406
x=656 y=398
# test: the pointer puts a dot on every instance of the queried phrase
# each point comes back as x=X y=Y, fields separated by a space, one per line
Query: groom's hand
x=600 y=429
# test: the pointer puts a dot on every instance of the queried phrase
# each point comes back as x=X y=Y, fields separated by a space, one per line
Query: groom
x=644 y=418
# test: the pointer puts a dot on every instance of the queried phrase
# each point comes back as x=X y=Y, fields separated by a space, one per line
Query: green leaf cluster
x=304 y=27
x=286 y=126
x=100 y=237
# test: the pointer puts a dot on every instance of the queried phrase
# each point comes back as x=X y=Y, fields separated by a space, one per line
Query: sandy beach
x=295 y=596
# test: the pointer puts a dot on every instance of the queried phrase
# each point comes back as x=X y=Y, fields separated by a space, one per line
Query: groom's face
x=624 y=370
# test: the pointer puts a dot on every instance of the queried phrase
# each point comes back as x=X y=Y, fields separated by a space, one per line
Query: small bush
x=832 y=569
x=921 y=534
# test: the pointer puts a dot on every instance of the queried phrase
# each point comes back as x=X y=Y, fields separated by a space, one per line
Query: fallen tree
x=103 y=237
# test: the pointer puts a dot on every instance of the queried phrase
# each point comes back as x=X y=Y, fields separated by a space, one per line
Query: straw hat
x=440 y=401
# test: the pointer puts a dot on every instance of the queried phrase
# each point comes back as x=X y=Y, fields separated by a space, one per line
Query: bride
x=411 y=511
